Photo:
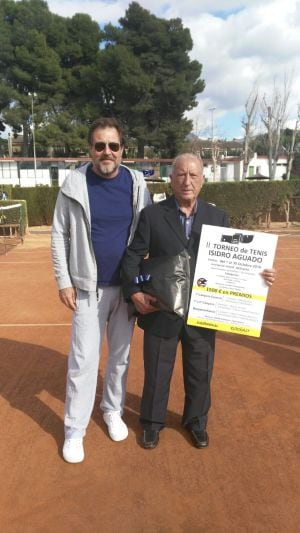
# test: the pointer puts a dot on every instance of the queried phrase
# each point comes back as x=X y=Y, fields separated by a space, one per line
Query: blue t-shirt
x=111 y=215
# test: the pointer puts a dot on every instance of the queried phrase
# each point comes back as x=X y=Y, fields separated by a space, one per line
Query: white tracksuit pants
x=90 y=321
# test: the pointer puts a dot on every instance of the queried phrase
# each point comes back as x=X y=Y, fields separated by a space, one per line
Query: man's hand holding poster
x=229 y=293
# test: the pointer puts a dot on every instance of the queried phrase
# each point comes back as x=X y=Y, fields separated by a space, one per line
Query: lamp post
x=212 y=109
x=213 y=151
x=9 y=142
x=33 y=95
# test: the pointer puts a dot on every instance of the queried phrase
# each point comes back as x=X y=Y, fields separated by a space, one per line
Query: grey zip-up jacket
x=71 y=244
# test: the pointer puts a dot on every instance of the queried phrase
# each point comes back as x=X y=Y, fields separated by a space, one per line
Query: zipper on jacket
x=136 y=187
x=89 y=231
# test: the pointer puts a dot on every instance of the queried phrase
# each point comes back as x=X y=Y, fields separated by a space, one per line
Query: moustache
x=106 y=158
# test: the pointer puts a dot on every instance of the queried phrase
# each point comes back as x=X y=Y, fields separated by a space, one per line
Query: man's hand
x=68 y=297
x=144 y=303
x=269 y=275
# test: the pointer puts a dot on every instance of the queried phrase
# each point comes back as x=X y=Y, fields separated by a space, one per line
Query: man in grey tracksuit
x=95 y=217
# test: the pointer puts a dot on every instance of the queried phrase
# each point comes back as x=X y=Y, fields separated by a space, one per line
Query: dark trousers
x=159 y=358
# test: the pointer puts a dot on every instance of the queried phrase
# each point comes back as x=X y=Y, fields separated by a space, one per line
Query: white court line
x=288 y=235
x=49 y=261
x=63 y=324
x=32 y=325
x=40 y=250
x=280 y=322
x=24 y=262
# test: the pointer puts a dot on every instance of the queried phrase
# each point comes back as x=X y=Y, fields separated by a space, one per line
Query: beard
x=106 y=167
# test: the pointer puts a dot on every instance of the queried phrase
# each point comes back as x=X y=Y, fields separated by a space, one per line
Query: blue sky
x=241 y=44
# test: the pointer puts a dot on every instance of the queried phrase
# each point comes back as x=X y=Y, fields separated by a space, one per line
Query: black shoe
x=199 y=436
x=150 y=438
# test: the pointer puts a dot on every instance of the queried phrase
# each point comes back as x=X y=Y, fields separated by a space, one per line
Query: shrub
x=40 y=203
x=245 y=202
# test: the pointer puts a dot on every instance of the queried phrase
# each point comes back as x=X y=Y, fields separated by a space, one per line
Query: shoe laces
x=114 y=419
x=74 y=443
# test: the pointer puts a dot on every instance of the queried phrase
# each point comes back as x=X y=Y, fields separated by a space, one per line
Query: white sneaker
x=73 y=451
x=117 y=429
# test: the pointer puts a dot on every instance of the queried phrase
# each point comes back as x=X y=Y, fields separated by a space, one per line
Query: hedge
x=40 y=203
x=245 y=202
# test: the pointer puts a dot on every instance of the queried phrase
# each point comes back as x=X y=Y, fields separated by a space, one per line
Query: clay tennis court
x=247 y=480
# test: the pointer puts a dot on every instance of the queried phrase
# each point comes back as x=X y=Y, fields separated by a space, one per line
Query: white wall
x=232 y=169
x=28 y=178
x=9 y=173
x=260 y=165
x=229 y=169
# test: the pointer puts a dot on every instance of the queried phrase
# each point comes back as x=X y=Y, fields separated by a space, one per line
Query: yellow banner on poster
x=219 y=326
x=230 y=293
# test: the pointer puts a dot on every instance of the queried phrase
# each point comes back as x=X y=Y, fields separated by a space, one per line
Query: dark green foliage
x=7 y=189
x=29 y=65
x=160 y=188
x=149 y=80
x=246 y=203
x=40 y=203
x=45 y=55
x=143 y=76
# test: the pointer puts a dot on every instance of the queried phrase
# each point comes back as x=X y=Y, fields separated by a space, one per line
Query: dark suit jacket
x=160 y=233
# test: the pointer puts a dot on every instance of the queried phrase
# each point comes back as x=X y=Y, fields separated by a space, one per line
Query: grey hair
x=187 y=154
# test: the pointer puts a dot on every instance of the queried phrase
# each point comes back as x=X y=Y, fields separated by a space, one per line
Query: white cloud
x=238 y=42
x=100 y=10
x=255 y=45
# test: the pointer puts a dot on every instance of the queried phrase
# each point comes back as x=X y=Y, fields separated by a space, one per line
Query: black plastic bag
x=168 y=279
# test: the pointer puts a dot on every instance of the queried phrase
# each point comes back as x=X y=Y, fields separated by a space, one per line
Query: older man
x=165 y=229
x=95 y=217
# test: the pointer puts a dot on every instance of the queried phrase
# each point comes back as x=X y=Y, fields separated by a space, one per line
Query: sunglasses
x=100 y=146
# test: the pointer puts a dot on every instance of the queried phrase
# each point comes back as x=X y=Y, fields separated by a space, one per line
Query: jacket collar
x=172 y=218
x=75 y=187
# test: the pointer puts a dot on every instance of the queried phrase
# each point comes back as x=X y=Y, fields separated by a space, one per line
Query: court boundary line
x=64 y=324
x=24 y=262
x=30 y=325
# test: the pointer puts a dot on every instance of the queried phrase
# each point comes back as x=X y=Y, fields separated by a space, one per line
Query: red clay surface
x=247 y=480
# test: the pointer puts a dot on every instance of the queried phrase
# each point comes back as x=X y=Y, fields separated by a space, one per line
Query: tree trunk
x=141 y=150
x=214 y=156
x=273 y=173
x=286 y=205
x=246 y=158
x=270 y=164
x=248 y=125
x=246 y=151
x=291 y=153
x=289 y=165
x=25 y=140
